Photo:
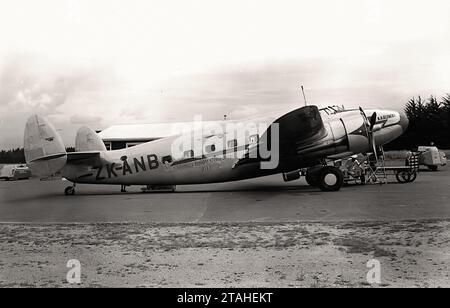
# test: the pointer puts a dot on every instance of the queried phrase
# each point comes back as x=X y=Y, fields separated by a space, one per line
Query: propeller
x=370 y=123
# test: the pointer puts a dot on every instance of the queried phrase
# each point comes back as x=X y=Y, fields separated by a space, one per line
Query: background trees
x=16 y=156
x=12 y=156
x=429 y=121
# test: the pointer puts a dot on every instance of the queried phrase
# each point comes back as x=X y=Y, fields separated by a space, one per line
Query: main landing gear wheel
x=69 y=191
x=330 y=178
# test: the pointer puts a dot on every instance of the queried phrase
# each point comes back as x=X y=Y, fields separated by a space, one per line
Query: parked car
x=15 y=172
x=431 y=157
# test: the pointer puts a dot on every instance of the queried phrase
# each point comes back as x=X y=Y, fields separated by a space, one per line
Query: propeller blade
x=374 y=148
x=373 y=120
x=369 y=126
x=363 y=113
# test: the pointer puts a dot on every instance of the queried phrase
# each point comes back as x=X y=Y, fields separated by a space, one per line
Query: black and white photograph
x=224 y=149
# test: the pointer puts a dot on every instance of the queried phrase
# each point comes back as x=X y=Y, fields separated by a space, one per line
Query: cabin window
x=254 y=139
x=167 y=159
x=232 y=143
x=188 y=154
x=210 y=148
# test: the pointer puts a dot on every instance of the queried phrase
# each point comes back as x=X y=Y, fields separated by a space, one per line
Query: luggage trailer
x=377 y=172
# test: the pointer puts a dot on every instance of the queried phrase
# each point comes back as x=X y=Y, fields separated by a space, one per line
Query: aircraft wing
x=298 y=130
x=91 y=158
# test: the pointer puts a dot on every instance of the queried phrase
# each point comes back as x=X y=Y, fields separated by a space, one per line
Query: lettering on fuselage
x=385 y=117
x=382 y=119
x=142 y=163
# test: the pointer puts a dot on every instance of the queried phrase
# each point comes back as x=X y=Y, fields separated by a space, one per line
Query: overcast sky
x=99 y=63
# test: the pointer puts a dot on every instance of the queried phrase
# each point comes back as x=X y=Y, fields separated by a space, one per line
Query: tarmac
x=266 y=199
x=255 y=233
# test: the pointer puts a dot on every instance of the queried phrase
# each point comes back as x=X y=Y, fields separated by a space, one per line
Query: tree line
x=17 y=156
x=429 y=123
x=14 y=156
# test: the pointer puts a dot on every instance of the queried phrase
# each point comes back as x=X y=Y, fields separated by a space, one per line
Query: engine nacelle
x=356 y=132
x=342 y=138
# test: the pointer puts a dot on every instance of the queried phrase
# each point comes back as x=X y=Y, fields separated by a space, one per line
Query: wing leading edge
x=297 y=129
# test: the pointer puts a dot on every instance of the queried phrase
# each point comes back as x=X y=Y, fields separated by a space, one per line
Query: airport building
x=127 y=135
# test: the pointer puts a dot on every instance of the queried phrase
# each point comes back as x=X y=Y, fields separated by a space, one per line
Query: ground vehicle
x=15 y=172
x=375 y=171
x=431 y=157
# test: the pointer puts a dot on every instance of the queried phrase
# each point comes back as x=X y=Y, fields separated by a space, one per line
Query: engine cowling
x=342 y=137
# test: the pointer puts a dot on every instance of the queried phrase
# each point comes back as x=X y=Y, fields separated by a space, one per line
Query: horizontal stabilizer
x=48 y=157
x=91 y=158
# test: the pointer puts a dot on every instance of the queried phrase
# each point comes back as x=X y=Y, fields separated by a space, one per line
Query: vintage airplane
x=306 y=137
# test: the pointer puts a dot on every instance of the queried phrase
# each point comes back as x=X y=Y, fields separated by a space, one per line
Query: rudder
x=88 y=140
x=44 y=150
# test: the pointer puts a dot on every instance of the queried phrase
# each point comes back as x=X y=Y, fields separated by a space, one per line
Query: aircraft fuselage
x=153 y=163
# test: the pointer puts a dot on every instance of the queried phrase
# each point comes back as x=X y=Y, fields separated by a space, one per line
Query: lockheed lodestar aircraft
x=305 y=138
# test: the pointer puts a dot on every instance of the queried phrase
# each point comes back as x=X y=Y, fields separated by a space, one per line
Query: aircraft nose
x=404 y=122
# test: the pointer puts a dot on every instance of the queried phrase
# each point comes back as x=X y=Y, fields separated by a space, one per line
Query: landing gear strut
x=70 y=190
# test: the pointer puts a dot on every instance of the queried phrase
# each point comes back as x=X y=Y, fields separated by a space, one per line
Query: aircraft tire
x=69 y=191
x=330 y=178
